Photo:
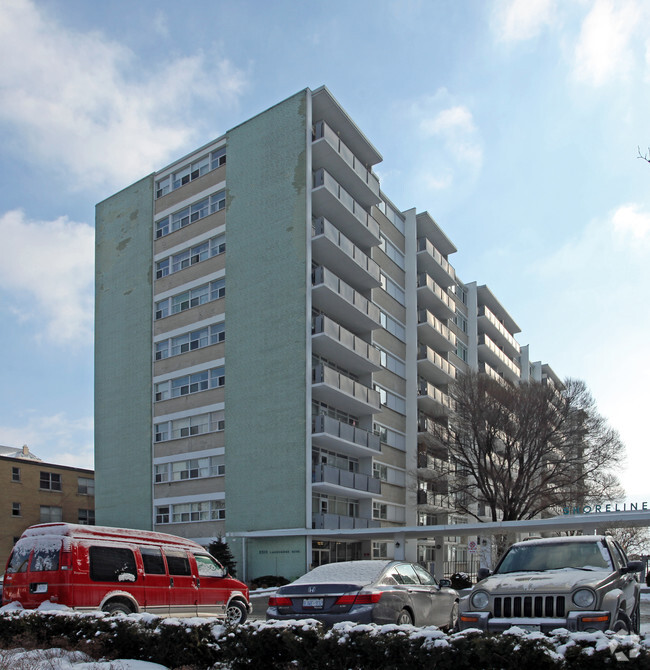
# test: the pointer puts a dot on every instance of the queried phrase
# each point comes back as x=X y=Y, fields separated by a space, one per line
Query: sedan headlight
x=480 y=600
x=584 y=598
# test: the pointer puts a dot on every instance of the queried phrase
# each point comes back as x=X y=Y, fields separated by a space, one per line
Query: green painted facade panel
x=123 y=367
x=266 y=324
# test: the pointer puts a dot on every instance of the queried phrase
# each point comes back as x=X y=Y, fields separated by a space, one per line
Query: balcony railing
x=323 y=278
x=328 y=474
x=335 y=431
x=511 y=366
x=445 y=337
x=440 y=402
x=323 y=374
x=426 y=281
x=323 y=131
x=440 y=268
x=369 y=354
x=485 y=312
x=343 y=209
x=339 y=250
x=335 y=521
x=438 y=366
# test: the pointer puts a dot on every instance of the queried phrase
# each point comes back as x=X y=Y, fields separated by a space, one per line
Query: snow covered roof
x=23 y=452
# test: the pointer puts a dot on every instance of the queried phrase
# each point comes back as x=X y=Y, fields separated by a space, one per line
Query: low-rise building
x=33 y=491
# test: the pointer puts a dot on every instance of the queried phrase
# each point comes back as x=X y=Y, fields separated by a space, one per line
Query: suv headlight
x=480 y=600
x=584 y=598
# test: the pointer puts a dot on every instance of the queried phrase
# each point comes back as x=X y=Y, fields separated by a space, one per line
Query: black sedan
x=368 y=592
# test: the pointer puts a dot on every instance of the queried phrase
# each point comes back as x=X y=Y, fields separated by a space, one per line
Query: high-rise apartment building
x=274 y=345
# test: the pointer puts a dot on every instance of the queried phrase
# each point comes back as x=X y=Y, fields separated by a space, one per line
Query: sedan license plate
x=315 y=603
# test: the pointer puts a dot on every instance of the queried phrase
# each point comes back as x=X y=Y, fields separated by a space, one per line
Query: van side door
x=155 y=580
x=183 y=590
x=214 y=586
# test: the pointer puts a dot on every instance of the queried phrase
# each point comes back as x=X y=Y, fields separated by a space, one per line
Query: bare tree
x=635 y=541
x=645 y=156
x=528 y=449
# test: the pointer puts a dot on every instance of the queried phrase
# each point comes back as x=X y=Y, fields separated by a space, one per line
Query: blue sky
x=515 y=123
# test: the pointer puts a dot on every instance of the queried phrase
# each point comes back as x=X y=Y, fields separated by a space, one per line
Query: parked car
x=365 y=592
x=120 y=570
x=583 y=583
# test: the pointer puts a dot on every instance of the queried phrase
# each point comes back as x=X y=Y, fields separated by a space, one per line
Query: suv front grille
x=529 y=606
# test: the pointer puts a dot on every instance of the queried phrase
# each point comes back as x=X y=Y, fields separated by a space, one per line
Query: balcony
x=334 y=481
x=432 y=499
x=431 y=261
x=335 y=521
x=434 y=333
x=332 y=341
x=434 y=367
x=433 y=401
x=433 y=297
x=336 y=389
x=491 y=372
x=331 y=153
x=333 y=249
x=332 y=434
x=489 y=324
x=333 y=296
x=432 y=435
x=491 y=354
x=332 y=201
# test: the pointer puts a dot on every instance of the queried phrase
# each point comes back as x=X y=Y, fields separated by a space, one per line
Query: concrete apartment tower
x=274 y=345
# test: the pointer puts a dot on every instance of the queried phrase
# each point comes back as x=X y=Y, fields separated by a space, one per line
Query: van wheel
x=115 y=606
x=236 y=613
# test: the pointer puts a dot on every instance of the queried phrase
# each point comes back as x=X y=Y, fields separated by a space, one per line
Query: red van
x=120 y=570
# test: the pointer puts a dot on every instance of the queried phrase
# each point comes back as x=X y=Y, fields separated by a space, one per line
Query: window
x=86 y=517
x=209 y=510
x=152 y=560
x=112 y=564
x=177 y=562
x=190 y=214
x=189 y=426
x=15 y=509
x=461 y=320
x=161 y=473
x=15 y=474
x=201 y=252
x=50 y=514
x=50 y=481
x=380 y=471
x=45 y=557
x=190 y=172
x=379 y=510
x=86 y=486
x=380 y=549
x=208 y=566
x=393 y=289
x=162 y=514
x=461 y=351
x=162 y=268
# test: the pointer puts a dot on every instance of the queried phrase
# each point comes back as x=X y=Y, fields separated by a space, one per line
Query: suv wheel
x=623 y=623
x=236 y=613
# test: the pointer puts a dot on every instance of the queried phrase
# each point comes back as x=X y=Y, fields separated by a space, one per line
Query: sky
x=517 y=124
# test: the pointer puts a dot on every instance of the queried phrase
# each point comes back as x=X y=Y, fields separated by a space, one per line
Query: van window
x=208 y=566
x=18 y=561
x=112 y=564
x=45 y=557
x=177 y=562
x=152 y=560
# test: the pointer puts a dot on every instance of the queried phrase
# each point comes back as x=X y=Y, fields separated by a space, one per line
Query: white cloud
x=84 y=103
x=604 y=49
x=54 y=439
x=630 y=222
x=593 y=284
x=52 y=264
x=518 y=20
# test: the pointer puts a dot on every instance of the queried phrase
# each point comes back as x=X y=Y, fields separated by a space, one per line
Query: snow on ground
x=58 y=659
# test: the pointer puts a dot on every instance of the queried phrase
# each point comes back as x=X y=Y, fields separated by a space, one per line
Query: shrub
x=268 y=581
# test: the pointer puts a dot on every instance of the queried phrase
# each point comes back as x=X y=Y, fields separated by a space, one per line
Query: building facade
x=275 y=342
x=36 y=492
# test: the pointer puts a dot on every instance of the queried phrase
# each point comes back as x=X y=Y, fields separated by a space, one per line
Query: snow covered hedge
x=204 y=643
